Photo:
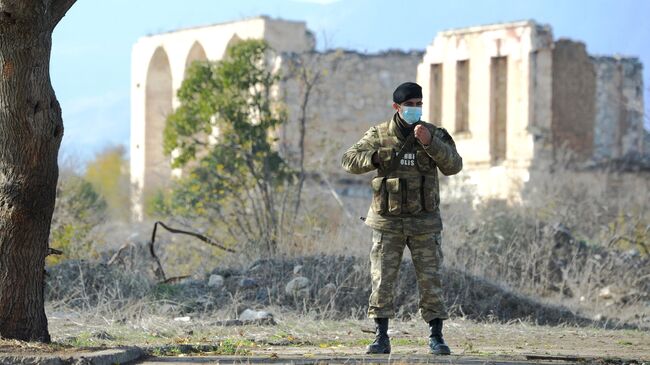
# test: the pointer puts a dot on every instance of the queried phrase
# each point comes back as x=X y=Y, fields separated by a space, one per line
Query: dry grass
x=573 y=236
x=306 y=334
x=579 y=240
x=338 y=290
x=561 y=246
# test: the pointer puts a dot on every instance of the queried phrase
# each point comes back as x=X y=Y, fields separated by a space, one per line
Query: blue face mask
x=411 y=114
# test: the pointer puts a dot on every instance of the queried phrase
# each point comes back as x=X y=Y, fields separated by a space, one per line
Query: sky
x=91 y=51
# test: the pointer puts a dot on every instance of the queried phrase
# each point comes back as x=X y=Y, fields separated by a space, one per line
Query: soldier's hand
x=422 y=134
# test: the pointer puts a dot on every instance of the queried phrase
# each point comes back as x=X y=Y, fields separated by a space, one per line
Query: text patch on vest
x=407 y=160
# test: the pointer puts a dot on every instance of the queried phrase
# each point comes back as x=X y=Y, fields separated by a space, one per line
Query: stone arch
x=233 y=40
x=196 y=53
x=158 y=105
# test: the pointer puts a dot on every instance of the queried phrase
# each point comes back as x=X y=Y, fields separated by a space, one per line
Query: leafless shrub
x=577 y=238
x=338 y=289
x=85 y=286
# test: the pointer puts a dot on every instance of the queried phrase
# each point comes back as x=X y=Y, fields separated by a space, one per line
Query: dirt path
x=351 y=359
x=301 y=340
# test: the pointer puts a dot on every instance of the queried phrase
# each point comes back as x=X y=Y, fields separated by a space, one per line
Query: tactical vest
x=412 y=188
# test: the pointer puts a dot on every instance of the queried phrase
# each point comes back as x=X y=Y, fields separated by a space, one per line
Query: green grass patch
x=282 y=338
x=234 y=347
x=83 y=339
x=222 y=347
x=624 y=343
x=164 y=291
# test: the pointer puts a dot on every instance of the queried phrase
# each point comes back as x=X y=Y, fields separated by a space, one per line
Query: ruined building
x=354 y=91
x=512 y=97
x=515 y=100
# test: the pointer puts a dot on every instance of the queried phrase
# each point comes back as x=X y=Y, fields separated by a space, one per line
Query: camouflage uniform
x=405 y=212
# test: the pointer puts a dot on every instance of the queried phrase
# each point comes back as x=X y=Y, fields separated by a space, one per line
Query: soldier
x=407 y=154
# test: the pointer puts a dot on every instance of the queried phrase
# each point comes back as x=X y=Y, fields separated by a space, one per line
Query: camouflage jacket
x=407 y=199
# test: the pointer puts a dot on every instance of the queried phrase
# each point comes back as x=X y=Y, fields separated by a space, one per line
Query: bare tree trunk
x=309 y=78
x=31 y=130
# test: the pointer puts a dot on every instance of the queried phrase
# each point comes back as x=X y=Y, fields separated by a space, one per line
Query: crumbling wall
x=557 y=96
x=619 y=107
x=541 y=95
x=573 y=105
x=353 y=92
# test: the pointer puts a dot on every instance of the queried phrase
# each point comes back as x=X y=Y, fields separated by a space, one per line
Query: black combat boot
x=436 y=344
x=381 y=345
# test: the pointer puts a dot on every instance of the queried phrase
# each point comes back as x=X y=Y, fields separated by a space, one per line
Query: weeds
x=225 y=347
x=574 y=240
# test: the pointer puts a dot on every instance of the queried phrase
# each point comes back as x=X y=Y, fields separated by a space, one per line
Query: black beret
x=406 y=91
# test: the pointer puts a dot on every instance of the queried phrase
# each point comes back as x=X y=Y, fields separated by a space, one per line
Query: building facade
x=517 y=101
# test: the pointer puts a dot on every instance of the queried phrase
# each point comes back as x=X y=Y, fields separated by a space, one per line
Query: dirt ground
x=302 y=337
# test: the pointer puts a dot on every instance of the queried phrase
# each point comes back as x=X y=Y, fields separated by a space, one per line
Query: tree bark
x=31 y=130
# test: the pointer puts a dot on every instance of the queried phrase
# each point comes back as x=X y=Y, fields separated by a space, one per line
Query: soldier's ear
x=395 y=106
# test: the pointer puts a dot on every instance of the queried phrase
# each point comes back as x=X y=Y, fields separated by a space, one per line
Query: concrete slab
x=103 y=357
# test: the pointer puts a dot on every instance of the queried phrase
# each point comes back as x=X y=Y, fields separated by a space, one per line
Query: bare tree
x=309 y=70
x=31 y=130
x=308 y=75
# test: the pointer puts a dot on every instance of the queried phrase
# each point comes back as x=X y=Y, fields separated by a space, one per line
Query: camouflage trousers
x=385 y=260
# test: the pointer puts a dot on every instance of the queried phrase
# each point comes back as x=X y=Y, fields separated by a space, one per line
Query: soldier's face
x=417 y=102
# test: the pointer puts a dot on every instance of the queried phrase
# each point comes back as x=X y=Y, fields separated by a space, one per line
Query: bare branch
x=117 y=254
x=176 y=279
x=160 y=272
x=335 y=194
x=193 y=234
x=53 y=251
x=58 y=10
x=309 y=81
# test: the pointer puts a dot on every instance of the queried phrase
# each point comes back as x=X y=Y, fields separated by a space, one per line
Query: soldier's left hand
x=422 y=134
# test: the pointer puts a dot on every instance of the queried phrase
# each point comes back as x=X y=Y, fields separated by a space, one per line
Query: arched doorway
x=158 y=105
x=196 y=53
x=233 y=40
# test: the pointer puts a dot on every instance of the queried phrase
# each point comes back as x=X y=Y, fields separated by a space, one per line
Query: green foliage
x=78 y=209
x=234 y=347
x=231 y=96
x=108 y=174
x=157 y=203
x=223 y=347
x=81 y=340
x=222 y=136
x=164 y=291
